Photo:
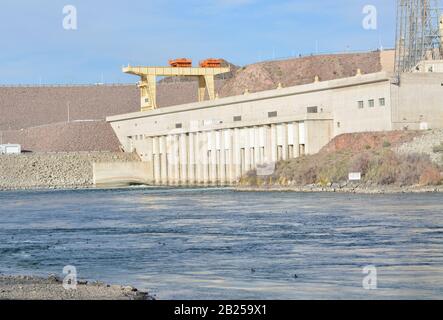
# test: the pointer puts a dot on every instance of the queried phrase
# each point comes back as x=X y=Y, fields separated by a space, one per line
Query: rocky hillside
x=292 y=72
x=429 y=143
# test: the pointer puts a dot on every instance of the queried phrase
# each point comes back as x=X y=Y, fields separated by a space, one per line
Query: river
x=222 y=244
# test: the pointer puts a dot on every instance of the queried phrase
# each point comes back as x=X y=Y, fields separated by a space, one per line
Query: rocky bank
x=51 y=288
x=343 y=188
x=54 y=170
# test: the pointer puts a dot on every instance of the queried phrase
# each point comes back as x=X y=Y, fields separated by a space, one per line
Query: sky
x=37 y=49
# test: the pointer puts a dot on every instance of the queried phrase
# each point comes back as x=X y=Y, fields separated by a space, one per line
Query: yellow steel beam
x=170 y=71
x=148 y=83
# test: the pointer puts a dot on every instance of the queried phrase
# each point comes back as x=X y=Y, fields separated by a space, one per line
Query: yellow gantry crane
x=205 y=73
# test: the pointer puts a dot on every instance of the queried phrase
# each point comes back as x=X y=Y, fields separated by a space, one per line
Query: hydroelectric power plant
x=219 y=140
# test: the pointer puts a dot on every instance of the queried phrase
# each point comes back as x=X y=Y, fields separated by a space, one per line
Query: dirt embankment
x=387 y=161
x=65 y=137
x=51 y=288
x=58 y=170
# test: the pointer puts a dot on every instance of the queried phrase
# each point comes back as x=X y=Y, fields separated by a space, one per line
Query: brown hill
x=65 y=137
x=24 y=107
x=267 y=75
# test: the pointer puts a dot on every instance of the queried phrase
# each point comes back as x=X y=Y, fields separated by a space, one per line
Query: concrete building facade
x=216 y=142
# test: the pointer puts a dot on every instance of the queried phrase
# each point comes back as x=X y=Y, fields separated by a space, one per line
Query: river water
x=221 y=244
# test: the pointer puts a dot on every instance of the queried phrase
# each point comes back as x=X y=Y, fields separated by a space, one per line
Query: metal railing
x=66 y=85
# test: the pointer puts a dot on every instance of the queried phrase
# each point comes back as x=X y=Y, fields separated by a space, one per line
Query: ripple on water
x=203 y=243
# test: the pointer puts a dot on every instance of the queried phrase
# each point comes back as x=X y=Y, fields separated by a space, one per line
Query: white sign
x=355 y=176
x=424 y=126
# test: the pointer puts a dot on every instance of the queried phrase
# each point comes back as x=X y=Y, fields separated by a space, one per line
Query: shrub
x=386 y=144
x=360 y=163
x=430 y=176
x=438 y=149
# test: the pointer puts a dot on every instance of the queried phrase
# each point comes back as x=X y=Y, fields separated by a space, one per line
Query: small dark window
x=382 y=102
x=338 y=124
x=272 y=114
x=371 y=103
x=312 y=109
x=361 y=104
x=178 y=126
x=237 y=118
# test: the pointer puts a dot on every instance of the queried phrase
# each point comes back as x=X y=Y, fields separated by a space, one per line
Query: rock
x=64 y=170
x=34 y=288
x=54 y=278
x=129 y=288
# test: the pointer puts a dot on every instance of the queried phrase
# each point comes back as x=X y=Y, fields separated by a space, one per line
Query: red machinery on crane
x=181 y=63
x=187 y=63
x=211 y=63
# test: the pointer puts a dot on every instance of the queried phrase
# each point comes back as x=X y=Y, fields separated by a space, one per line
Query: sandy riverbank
x=51 y=288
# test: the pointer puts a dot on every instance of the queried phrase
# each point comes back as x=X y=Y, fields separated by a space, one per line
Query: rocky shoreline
x=54 y=170
x=51 y=288
x=356 y=189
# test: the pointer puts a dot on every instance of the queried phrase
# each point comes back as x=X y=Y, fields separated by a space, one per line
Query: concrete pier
x=218 y=157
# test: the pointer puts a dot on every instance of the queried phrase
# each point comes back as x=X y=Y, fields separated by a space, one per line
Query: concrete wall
x=122 y=173
x=418 y=101
x=349 y=117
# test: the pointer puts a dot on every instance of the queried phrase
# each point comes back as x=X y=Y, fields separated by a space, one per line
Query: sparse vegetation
x=379 y=166
x=386 y=144
x=438 y=149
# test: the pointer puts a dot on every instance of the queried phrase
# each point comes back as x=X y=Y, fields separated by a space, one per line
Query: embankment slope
x=386 y=160
x=58 y=170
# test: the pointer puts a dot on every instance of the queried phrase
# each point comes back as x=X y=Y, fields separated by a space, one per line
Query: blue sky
x=36 y=49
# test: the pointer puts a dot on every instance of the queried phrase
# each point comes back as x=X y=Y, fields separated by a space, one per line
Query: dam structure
x=218 y=141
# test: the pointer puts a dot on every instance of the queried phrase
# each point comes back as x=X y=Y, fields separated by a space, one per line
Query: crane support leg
x=148 y=88
x=210 y=85
x=201 y=88
x=206 y=84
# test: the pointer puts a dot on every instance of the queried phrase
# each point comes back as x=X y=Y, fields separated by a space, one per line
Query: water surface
x=220 y=244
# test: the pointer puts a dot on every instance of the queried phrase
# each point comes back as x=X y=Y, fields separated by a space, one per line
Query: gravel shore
x=51 y=288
